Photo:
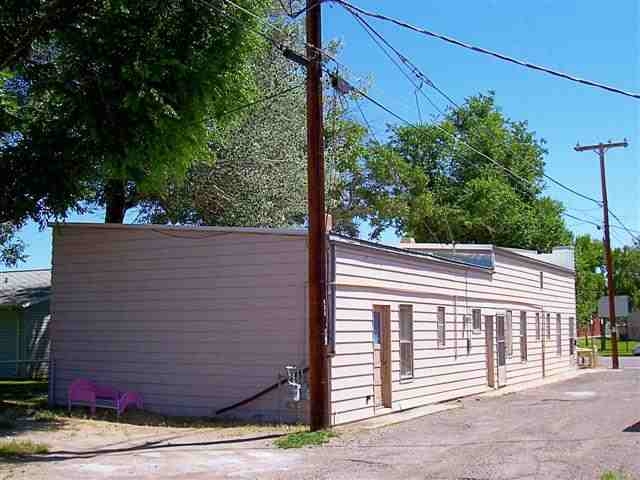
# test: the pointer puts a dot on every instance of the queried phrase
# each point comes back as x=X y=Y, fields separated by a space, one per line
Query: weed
x=303 y=439
x=617 y=475
x=20 y=448
x=45 y=416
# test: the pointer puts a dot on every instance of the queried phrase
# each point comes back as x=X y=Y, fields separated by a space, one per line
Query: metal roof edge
x=334 y=237
x=537 y=261
x=183 y=228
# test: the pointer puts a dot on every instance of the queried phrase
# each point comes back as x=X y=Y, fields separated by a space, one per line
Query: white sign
x=621 y=304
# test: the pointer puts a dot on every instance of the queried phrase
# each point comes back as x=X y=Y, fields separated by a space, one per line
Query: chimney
x=409 y=240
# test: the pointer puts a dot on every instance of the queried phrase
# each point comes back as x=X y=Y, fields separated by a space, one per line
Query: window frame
x=548 y=326
x=508 y=333
x=523 y=336
x=538 y=327
x=406 y=341
x=441 y=328
x=558 y=334
x=572 y=335
x=473 y=320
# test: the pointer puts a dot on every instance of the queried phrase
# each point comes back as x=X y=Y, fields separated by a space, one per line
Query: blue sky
x=579 y=37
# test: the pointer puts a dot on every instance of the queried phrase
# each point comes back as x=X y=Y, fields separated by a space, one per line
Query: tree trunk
x=116 y=200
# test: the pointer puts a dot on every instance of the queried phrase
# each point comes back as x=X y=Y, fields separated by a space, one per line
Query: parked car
x=636 y=350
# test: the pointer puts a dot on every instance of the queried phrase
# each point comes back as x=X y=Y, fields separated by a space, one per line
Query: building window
x=406 y=341
x=441 y=327
x=376 y=327
x=558 y=334
x=538 y=327
x=508 y=333
x=548 y=326
x=572 y=335
x=541 y=279
x=523 y=336
x=476 y=314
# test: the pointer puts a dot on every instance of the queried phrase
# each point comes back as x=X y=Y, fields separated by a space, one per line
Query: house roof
x=24 y=287
x=560 y=258
x=472 y=261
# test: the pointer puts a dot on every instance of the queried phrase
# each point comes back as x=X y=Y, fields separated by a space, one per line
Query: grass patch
x=21 y=448
x=23 y=393
x=611 y=475
x=45 y=416
x=304 y=439
x=625 y=347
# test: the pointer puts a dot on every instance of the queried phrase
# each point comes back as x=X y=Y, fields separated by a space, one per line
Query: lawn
x=625 y=347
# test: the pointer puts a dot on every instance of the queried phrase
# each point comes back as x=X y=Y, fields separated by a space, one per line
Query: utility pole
x=602 y=148
x=318 y=369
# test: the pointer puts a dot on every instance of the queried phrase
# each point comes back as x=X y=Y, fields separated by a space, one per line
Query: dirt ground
x=573 y=429
x=99 y=449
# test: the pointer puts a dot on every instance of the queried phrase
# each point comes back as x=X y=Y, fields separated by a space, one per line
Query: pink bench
x=86 y=393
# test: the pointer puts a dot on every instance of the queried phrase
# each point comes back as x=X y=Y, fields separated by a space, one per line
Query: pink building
x=204 y=321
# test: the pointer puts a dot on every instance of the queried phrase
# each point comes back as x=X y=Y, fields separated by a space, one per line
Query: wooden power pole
x=318 y=371
x=601 y=148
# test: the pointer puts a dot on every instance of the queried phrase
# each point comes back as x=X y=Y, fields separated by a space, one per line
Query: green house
x=24 y=323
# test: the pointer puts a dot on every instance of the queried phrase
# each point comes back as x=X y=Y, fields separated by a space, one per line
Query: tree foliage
x=116 y=97
x=426 y=184
x=254 y=172
x=590 y=281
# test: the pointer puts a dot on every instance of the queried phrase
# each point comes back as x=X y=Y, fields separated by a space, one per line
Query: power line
x=407 y=122
x=264 y=99
x=628 y=230
x=287 y=52
x=422 y=77
x=485 y=51
x=379 y=40
x=410 y=65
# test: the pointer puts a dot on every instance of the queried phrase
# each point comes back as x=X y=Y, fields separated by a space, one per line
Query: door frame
x=385 y=354
x=490 y=355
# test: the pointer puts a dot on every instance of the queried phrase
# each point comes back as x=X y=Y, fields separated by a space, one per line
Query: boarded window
x=508 y=333
x=406 y=341
x=558 y=334
x=548 y=326
x=523 y=336
x=476 y=314
x=572 y=335
x=538 y=326
x=441 y=327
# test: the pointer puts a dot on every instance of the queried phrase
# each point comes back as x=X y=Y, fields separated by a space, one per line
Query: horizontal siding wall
x=365 y=277
x=194 y=321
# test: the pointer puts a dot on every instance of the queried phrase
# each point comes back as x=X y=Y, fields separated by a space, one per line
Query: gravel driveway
x=574 y=429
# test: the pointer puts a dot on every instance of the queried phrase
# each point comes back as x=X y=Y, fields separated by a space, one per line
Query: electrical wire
x=410 y=65
x=628 y=230
x=379 y=40
x=398 y=117
x=485 y=51
x=422 y=77
x=264 y=99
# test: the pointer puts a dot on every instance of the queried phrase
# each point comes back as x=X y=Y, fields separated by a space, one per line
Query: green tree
x=626 y=266
x=424 y=183
x=116 y=97
x=12 y=249
x=590 y=282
